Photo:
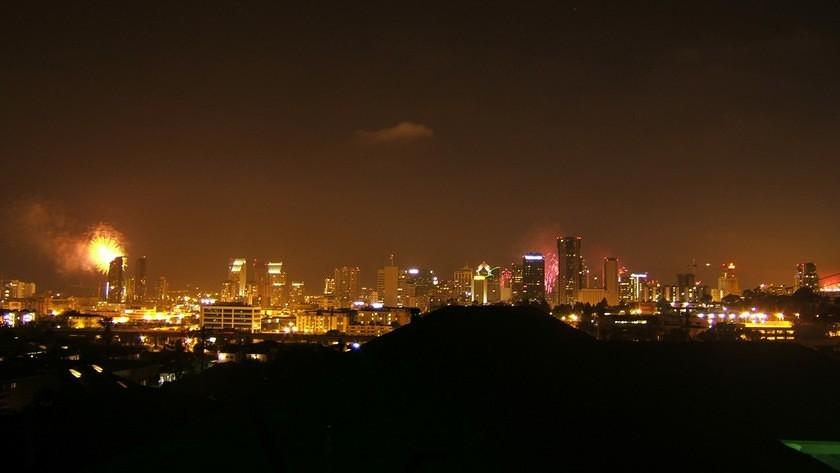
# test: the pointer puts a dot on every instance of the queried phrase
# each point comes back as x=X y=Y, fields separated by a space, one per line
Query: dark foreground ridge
x=461 y=389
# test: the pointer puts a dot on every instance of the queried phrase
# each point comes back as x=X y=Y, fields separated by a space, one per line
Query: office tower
x=297 y=293
x=346 y=285
x=129 y=288
x=637 y=283
x=163 y=289
x=238 y=278
x=610 y=281
x=505 y=285
x=116 y=281
x=276 y=284
x=494 y=288
x=140 y=281
x=256 y=282
x=329 y=286
x=806 y=276
x=687 y=292
x=462 y=282
x=686 y=280
x=728 y=282
x=479 y=288
x=419 y=281
x=388 y=282
x=585 y=280
x=570 y=277
x=516 y=282
x=654 y=291
x=624 y=291
x=252 y=294
x=418 y=288
x=533 y=277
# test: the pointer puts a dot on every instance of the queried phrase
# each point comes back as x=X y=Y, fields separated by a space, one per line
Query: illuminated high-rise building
x=687 y=292
x=505 y=285
x=727 y=283
x=418 y=288
x=297 y=293
x=611 y=289
x=346 y=285
x=480 y=282
x=570 y=277
x=238 y=278
x=329 y=286
x=140 y=281
x=637 y=284
x=277 y=295
x=533 y=277
x=462 y=285
x=624 y=292
x=388 y=283
x=163 y=289
x=116 y=281
x=806 y=276
x=516 y=282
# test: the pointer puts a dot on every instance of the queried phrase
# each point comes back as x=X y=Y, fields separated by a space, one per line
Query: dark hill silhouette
x=461 y=389
x=468 y=389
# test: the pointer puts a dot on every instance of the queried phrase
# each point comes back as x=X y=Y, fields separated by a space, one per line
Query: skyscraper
x=116 y=281
x=806 y=276
x=570 y=277
x=277 y=295
x=462 y=285
x=297 y=293
x=256 y=282
x=387 y=283
x=687 y=291
x=533 y=277
x=480 y=283
x=237 y=276
x=329 y=286
x=140 y=281
x=163 y=289
x=637 y=283
x=728 y=283
x=611 y=292
x=516 y=282
x=346 y=285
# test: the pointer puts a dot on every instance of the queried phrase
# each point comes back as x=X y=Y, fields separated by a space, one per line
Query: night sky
x=337 y=134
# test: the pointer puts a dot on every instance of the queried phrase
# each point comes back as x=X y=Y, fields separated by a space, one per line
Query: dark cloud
x=402 y=131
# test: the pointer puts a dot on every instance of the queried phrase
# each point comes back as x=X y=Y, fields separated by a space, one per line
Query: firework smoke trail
x=45 y=229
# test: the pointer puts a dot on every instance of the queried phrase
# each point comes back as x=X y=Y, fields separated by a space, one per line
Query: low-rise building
x=317 y=322
x=239 y=317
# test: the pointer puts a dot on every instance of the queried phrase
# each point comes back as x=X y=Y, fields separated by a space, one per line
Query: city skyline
x=704 y=271
x=336 y=136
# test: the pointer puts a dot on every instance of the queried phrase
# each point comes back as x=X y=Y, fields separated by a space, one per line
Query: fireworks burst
x=552 y=265
x=103 y=246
